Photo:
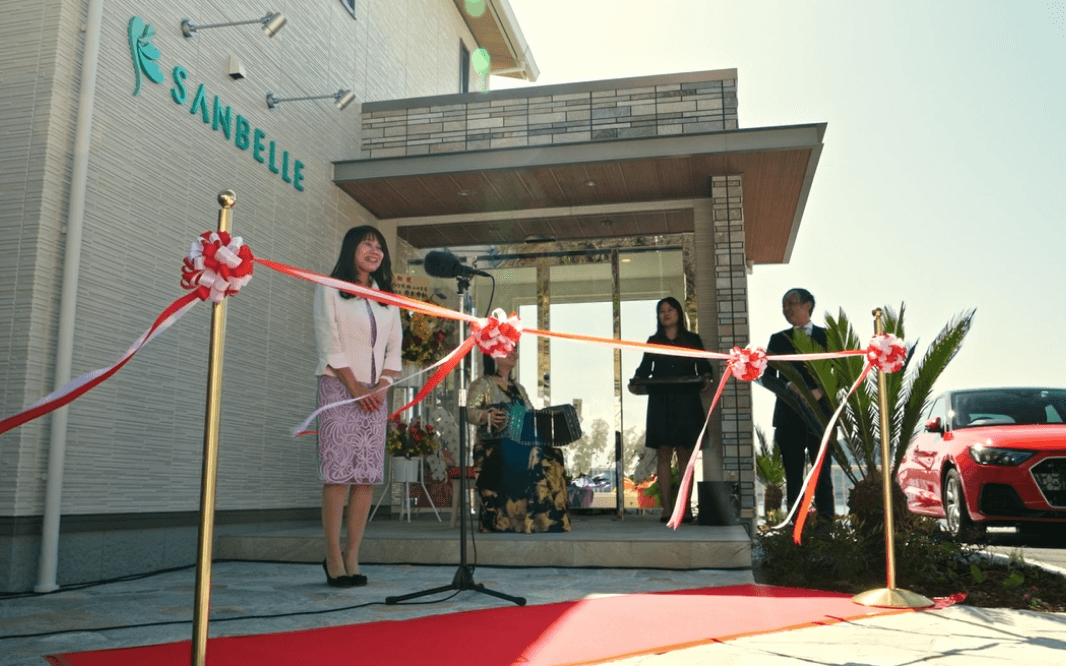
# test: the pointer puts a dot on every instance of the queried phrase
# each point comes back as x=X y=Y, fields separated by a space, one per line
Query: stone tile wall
x=580 y=112
x=731 y=298
x=154 y=170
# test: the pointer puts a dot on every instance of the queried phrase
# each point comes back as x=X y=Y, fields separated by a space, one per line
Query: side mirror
x=934 y=425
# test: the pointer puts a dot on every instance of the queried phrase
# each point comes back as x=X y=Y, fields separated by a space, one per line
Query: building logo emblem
x=144 y=52
x=215 y=114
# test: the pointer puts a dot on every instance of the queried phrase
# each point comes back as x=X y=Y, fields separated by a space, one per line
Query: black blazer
x=781 y=344
x=664 y=365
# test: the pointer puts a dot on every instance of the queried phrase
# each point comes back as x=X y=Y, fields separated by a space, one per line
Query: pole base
x=892 y=598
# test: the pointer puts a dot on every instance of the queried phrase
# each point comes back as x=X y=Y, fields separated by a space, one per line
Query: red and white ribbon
x=76 y=388
x=747 y=364
x=684 y=488
x=498 y=334
x=448 y=362
x=217 y=266
x=744 y=364
x=885 y=352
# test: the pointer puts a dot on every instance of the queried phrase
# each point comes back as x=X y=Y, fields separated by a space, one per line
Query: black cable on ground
x=216 y=620
x=74 y=587
x=213 y=620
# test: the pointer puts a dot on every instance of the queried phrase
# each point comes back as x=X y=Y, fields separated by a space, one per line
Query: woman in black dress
x=675 y=412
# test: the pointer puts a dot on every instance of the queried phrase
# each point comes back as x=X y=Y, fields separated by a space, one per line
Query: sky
x=941 y=184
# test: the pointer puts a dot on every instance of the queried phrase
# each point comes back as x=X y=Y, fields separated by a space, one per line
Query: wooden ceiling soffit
x=777 y=166
x=559 y=228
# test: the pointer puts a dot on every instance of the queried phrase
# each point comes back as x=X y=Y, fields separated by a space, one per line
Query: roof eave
x=739 y=140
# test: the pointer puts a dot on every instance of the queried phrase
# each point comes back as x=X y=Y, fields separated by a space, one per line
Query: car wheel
x=957 y=517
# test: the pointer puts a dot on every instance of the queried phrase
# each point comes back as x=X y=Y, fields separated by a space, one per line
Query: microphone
x=447 y=265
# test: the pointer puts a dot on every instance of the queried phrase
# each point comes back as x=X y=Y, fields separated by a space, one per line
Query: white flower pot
x=406 y=470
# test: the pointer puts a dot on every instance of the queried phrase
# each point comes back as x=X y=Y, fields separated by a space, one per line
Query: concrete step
x=595 y=541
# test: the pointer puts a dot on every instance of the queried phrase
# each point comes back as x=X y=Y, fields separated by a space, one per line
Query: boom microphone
x=447 y=265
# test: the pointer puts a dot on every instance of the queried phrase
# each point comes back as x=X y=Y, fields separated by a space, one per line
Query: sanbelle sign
x=233 y=127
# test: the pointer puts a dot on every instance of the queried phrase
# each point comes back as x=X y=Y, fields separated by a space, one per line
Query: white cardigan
x=342 y=333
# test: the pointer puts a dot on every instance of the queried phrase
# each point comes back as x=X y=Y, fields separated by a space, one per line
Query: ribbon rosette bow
x=887 y=352
x=217 y=266
x=747 y=364
x=498 y=334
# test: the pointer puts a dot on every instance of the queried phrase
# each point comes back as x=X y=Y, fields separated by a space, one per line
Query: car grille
x=1050 y=477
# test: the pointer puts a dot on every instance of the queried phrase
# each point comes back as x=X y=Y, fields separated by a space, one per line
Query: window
x=464 y=68
x=1009 y=406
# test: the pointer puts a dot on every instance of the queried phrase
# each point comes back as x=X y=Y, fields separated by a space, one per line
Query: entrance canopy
x=624 y=187
x=603 y=167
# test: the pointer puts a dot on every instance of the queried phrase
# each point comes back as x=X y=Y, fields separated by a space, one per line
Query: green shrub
x=850 y=558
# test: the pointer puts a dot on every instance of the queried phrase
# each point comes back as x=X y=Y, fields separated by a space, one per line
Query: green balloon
x=475 y=8
x=480 y=60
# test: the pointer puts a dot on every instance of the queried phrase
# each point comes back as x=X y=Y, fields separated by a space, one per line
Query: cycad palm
x=909 y=390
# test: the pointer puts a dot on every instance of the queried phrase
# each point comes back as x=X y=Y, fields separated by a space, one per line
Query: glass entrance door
x=608 y=293
x=581 y=373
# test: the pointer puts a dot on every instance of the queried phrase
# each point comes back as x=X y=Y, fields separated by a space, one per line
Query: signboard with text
x=412 y=286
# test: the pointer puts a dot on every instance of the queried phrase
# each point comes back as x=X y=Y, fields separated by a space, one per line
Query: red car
x=990 y=457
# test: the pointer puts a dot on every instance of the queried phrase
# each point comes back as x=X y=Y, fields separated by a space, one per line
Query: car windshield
x=972 y=409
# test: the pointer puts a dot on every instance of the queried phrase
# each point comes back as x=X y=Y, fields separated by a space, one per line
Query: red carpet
x=575 y=632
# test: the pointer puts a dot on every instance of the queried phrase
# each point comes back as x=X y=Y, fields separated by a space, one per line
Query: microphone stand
x=464 y=576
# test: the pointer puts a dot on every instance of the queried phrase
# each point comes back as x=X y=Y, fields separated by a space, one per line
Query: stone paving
x=286 y=597
x=254 y=597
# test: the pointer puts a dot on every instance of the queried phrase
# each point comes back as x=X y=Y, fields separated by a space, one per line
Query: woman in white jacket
x=359 y=346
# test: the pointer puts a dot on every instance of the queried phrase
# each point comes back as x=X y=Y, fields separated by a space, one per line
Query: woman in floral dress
x=520 y=481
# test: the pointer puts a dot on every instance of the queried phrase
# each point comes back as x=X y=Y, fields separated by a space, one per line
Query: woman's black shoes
x=358 y=580
x=340 y=581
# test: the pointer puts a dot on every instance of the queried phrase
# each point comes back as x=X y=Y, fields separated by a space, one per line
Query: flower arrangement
x=426 y=339
x=651 y=487
x=410 y=440
x=640 y=491
x=447 y=429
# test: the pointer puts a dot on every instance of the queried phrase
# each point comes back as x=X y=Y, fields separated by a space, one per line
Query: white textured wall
x=154 y=171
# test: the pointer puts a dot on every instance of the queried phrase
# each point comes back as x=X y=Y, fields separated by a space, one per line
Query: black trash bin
x=719 y=502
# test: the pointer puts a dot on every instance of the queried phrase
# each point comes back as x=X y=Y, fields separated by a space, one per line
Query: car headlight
x=988 y=455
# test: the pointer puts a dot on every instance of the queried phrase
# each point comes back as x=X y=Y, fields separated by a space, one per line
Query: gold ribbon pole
x=888 y=597
x=202 y=608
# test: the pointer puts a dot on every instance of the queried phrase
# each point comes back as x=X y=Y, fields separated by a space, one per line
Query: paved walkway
x=285 y=597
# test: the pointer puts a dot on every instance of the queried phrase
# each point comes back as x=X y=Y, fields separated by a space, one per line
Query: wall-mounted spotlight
x=272 y=22
x=342 y=98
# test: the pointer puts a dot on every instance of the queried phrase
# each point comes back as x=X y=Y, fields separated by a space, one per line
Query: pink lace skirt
x=351 y=441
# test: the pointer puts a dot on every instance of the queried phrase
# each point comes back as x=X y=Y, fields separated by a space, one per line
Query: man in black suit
x=790 y=430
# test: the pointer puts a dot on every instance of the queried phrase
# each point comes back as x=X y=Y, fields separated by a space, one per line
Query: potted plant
x=770 y=471
x=650 y=488
x=407 y=443
x=647 y=496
